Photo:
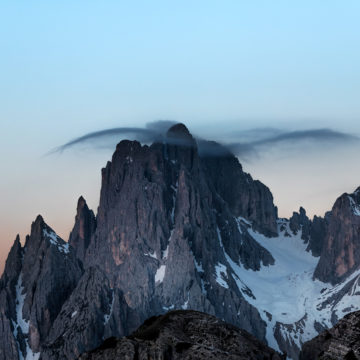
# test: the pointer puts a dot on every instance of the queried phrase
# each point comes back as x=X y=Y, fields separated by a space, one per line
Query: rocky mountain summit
x=182 y=335
x=180 y=225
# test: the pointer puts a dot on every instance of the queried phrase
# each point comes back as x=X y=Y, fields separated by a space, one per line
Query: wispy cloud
x=326 y=135
x=153 y=131
x=250 y=145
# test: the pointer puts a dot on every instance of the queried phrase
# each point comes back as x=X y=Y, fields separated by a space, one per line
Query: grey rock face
x=313 y=232
x=340 y=254
x=93 y=312
x=318 y=231
x=157 y=215
x=340 y=342
x=84 y=228
x=36 y=282
x=184 y=335
x=50 y=272
x=12 y=266
x=299 y=221
x=9 y=347
x=245 y=197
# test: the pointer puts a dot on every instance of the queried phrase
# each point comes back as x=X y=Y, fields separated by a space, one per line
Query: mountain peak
x=17 y=239
x=81 y=204
x=13 y=262
x=180 y=135
x=39 y=220
x=84 y=227
x=179 y=130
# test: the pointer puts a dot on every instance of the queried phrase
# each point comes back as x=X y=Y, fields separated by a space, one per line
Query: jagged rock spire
x=84 y=228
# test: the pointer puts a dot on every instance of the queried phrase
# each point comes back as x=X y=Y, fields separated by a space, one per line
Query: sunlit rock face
x=341 y=251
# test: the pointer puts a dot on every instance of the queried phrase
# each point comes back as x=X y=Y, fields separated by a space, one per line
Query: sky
x=221 y=67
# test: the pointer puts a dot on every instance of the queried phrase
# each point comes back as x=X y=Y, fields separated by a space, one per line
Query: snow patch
x=185 y=306
x=20 y=298
x=30 y=355
x=22 y=323
x=220 y=238
x=55 y=240
x=107 y=316
x=355 y=208
x=221 y=275
x=74 y=314
x=238 y=223
x=198 y=265
x=160 y=274
x=152 y=254
x=286 y=291
x=242 y=219
x=165 y=252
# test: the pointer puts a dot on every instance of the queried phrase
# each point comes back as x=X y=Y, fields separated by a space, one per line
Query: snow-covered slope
x=294 y=305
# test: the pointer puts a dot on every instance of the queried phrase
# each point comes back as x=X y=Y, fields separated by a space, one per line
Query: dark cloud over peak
x=160 y=126
x=250 y=145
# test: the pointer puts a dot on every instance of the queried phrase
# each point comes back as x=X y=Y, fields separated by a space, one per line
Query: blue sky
x=72 y=67
x=68 y=61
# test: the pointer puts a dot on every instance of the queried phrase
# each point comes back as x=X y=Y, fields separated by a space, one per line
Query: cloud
x=94 y=138
x=317 y=138
x=153 y=131
x=324 y=135
x=160 y=126
x=250 y=145
x=216 y=149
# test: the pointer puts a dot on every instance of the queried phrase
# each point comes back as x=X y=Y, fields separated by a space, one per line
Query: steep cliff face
x=340 y=254
x=9 y=348
x=245 y=197
x=92 y=313
x=185 y=335
x=50 y=272
x=157 y=215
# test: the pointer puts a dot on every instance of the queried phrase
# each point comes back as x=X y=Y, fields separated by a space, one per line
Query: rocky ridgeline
x=340 y=342
x=185 y=335
x=172 y=225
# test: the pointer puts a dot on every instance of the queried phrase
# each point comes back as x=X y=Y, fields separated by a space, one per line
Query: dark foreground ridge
x=184 y=335
x=340 y=342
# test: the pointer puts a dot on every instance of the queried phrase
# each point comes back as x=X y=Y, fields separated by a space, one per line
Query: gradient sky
x=71 y=67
